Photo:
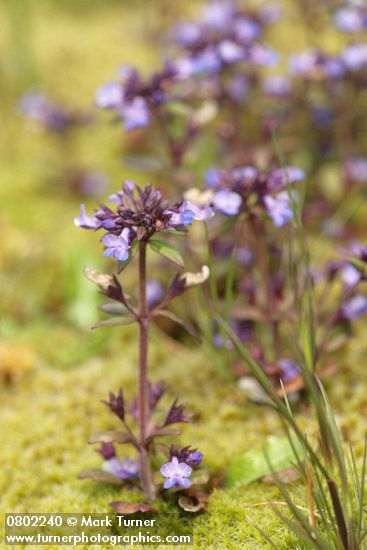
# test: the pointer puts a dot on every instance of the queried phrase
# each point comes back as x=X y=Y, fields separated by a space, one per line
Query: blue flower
x=117 y=246
x=278 y=208
x=176 y=473
x=227 y=202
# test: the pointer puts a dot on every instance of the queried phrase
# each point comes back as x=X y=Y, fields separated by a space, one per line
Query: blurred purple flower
x=281 y=177
x=350 y=19
x=246 y=30
x=87 y=222
x=262 y=55
x=127 y=469
x=355 y=308
x=289 y=370
x=176 y=473
x=277 y=86
x=355 y=56
x=109 y=96
x=279 y=208
x=350 y=275
x=53 y=117
x=154 y=291
x=227 y=202
x=135 y=113
x=355 y=169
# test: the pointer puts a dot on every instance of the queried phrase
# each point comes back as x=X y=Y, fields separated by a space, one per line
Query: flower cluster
x=224 y=36
x=182 y=462
x=135 y=99
x=138 y=214
x=247 y=189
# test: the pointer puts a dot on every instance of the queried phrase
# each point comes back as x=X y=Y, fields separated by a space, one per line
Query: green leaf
x=167 y=250
x=253 y=465
x=179 y=321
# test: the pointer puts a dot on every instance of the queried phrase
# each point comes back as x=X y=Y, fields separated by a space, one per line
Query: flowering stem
x=143 y=390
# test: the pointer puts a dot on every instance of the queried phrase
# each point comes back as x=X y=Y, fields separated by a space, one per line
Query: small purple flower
x=279 y=208
x=227 y=202
x=117 y=246
x=135 y=113
x=127 y=469
x=355 y=308
x=87 y=222
x=176 y=473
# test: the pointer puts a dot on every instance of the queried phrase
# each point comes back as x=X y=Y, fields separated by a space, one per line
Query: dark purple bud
x=192 y=457
x=107 y=450
x=116 y=404
x=176 y=414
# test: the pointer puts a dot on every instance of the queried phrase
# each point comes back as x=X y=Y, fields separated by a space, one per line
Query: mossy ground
x=59 y=370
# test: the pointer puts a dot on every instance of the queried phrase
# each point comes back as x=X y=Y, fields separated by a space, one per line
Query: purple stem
x=143 y=390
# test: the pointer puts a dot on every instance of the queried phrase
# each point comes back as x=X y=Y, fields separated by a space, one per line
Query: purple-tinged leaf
x=100 y=475
x=113 y=436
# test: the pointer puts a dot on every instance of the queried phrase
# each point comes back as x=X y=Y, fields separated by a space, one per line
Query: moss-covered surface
x=58 y=369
